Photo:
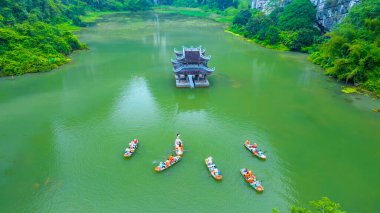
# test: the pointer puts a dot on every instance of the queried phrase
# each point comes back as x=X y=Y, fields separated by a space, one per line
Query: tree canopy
x=351 y=51
x=30 y=41
x=292 y=26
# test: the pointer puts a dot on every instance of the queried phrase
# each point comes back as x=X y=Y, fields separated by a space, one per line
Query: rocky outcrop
x=329 y=12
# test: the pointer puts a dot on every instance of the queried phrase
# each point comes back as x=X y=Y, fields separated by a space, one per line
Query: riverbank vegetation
x=290 y=28
x=225 y=16
x=35 y=35
x=351 y=52
x=323 y=205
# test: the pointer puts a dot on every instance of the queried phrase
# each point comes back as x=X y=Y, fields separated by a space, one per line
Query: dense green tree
x=351 y=52
x=272 y=34
x=258 y=24
x=275 y=14
x=299 y=14
x=29 y=39
x=34 y=47
x=221 y=4
x=324 y=205
x=242 y=17
x=136 y=5
x=292 y=26
x=298 y=24
x=218 y=5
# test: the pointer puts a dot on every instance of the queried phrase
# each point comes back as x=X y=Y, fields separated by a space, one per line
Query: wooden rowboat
x=214 y=171
x=254 y=150
x=128 y=152
x=166 y=164
x=251 y=179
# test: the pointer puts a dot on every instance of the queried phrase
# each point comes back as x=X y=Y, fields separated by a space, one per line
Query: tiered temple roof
x=191 y=61
x=190 y=67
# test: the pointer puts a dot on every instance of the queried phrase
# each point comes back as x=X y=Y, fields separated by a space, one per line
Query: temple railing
x=194 y=66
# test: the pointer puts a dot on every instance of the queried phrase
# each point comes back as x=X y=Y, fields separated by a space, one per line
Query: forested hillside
x=351 y=51
x=31 y=41
x=292 y=27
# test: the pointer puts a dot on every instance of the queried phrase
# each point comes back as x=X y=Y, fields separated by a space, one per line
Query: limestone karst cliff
x=329 y=12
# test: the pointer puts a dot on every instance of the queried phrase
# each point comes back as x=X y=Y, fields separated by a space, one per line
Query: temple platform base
x=186 y=84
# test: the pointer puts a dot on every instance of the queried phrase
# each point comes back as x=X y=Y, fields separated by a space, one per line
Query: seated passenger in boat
x=162 y=165
x=171 y=158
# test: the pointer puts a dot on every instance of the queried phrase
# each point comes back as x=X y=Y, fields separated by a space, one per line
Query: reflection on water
x=192 y=101
x=135 y=104
x=159 y=41
x=63 y=133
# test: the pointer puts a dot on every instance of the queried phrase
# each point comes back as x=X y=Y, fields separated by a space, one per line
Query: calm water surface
x=62 y=133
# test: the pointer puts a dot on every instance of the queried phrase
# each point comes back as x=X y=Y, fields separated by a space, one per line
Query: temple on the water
x=190 y=67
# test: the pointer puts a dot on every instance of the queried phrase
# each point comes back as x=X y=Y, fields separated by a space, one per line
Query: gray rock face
x=329 y=12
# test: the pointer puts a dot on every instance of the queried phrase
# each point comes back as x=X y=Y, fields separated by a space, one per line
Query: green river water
x=62 y=133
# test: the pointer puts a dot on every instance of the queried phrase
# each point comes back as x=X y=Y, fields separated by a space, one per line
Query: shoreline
x=92 y=17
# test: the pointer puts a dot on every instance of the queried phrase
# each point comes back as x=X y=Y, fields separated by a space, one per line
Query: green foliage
x=324 y=205
x=291 y=27
x=34 y=47
x=351 y=51
x=30 y=40
x=137 y=5
x=272 y=34
x=299 y=14
x=231 y=12
x=221 y=4
x=275 y=14
x=244 y=4
x=242 y=17
x=216 y=5
x=258 y=24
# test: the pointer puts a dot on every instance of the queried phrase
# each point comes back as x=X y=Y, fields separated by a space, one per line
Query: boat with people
x=168 y=163
x=216 y=174
x=128 y=152
x=254 y=149
x=178 y=146
x=251 y=179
